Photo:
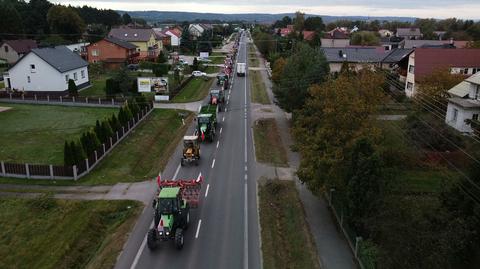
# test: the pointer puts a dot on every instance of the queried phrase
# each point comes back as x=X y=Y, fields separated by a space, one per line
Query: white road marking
x=221 y=129
x=226 y=109
x=223 y=119
x=227 y=105
x=245 y=235
x=198 y=228
x=140 y=250
x=213 y=163
x=246 y=177
x=199 y=108
x=176 y=172
x=246 y=168
x=206 y=192
x=218 y=144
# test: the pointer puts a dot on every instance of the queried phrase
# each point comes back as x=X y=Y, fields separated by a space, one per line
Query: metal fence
x=42 y=171
x=59 y=100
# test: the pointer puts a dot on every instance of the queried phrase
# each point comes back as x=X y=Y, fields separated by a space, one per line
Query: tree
x=304 y=67
x=123 y=80
x=111 y=87
x=66 y=22
x=11 y=26
x=283 y=22
x=277 y=70
x=35 y=19
x=78 y=152
x=114 y=123
x=161 y=57
x=72 y=88
x=68 y=155
x=106 y=131
x=299 y=21
x=195 y=64
x=433 y=89
x=314 y=24
x=364 y=38
x=134 y=88
x=126 y=19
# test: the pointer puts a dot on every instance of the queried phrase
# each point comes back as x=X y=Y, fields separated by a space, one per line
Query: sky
x=464 y=9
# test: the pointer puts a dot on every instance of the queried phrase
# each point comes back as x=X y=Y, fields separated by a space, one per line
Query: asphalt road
x=224 y=231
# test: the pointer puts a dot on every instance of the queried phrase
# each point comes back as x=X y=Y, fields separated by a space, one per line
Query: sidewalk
x=332 y=248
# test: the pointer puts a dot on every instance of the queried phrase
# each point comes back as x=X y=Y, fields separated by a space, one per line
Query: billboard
x=158 y=85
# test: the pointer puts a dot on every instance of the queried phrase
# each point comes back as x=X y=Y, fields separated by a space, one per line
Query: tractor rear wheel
x=182 y=163
x=152 y=239
x=179 y=238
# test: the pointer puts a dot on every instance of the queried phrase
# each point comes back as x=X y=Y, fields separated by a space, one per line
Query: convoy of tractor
x=175 y=198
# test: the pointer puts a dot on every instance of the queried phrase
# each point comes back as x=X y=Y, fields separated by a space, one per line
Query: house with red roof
x=112 y=52
x=175 y=36
x=12 y=50
x=423 y=61
x=308 y=35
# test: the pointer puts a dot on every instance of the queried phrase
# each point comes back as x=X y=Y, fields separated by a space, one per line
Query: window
x=67 y=78
x=32 y=68
x=28 y=79
x=411 y=69
x=464 y=71
x=75 y=76
x=6 y=48
x=455 y=115
x=95 y=53
x=82 y=73
x=409 y=86
x=475 y=117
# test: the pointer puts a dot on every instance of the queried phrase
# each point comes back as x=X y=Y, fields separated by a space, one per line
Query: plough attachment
x=190 y=188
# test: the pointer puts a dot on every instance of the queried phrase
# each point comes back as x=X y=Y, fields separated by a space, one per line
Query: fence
x=40 y=171
x=58 y=99
x=354 y=241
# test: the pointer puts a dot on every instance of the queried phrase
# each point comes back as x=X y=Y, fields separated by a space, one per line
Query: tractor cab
x=205 y=127
x=222 y=79
x=191 y=150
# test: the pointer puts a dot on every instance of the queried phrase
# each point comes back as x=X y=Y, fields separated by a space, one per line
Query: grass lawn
x=96 y=90
x=217 y=60
x=253 y=62
x=195 y=90
x=259 y=91
x=212 y=69
x=218 y=53
x=269 y=147
x=48 y=233
x=36 y=133
x=286 y=238
x=2 y=84
x=144 y=152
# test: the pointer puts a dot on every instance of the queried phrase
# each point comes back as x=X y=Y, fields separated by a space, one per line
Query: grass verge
x=286 y=238
x=36 y=133
x=212 y=69
x=2 y=84
x=195 y=90
x=259 y=91
x=96 y=90
x=48 y=233
x=253 y=62
x=269 y=147
x=217 y=59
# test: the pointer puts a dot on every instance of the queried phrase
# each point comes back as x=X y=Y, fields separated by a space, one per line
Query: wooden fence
x=58 y=99
x=42 y=171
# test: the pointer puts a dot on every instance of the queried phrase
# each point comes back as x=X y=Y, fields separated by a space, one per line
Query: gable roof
x=431 y=43
x=308 y=35
x=60 y=58
x=172 y=32
x=414 y=31
x=475 y=79
x=119 y=42
x=337 y=33
x=461 y=90
x=397 y=55
x=21 y=45
x=355 y=55
x=132 y=34
x=429 y=59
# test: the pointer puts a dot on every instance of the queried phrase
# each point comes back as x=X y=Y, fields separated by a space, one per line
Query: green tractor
x=172 y=211
x=207 y=123
x=222 y=80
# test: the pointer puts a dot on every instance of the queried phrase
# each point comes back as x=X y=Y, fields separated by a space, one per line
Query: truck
x=241 y=69
x=206 y=123
x=172 y=207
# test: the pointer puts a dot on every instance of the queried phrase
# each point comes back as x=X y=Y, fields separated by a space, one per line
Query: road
x=224 y=230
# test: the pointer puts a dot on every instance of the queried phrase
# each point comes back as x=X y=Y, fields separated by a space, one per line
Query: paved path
x=332 y=248
x=192 y=106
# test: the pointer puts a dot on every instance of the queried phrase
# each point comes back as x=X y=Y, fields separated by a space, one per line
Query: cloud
x=424 y=8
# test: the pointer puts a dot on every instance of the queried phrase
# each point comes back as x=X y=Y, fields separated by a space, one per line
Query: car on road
x=198 y=74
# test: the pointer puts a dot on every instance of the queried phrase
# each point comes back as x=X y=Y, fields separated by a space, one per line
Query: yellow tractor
x=191 y=150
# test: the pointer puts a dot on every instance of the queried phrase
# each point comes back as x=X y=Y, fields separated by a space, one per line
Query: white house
x=12 y=50
x=174 y=37
x=196 y=30
x=47 y=71
x=464 y=104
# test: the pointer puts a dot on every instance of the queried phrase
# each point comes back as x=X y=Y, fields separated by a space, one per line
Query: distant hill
x=162 y=16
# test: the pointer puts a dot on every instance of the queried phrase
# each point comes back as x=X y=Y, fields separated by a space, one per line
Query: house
x=148 y=44
x=113 y=52
x=385 y=33
x=440 y=34
x=364 y=57
x=464 y=104
x=308 y=35
x=423 y=61
x=79 y=48
x=47 y=71
x=410 y=44
x=337 y=38
x=409 y=33
x=12 y=50
x=175 y=36
x=393 y=42
x=286 y=31
x=160 y=35
x=196 y=30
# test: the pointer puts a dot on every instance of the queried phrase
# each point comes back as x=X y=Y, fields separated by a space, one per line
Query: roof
x=397 y=55
x=336 y=33
x=308 y=35
x=174 y=32
x=355 y=55
x=169 y=192
x=60 y=58
x=285 y=31
x=424 y=43
x=429 y=59
x=475 y=79
x=190 y=137
x=131 y=34
x=21 y=45
x=465 y=102
x=461 y=90
x=121 y=43
x=409 y=31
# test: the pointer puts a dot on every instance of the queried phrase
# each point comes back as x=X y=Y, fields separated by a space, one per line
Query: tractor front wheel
x=179 y=238
x=152 y=239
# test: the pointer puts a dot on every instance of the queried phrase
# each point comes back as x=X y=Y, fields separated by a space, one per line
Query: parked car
x=198 y=74
x=183 y=61
x=132 y=67
x=204 y=60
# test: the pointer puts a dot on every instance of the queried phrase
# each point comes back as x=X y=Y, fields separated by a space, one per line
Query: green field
x=268 y=143
x=48 y=233
x=195 y=90
x=286 y=238
x=144 y=152
x=36 y=134
x=96 y=90
x=211 y=69
x=259 y=91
